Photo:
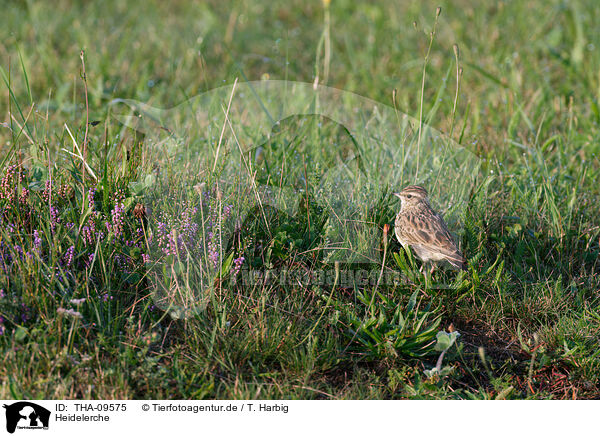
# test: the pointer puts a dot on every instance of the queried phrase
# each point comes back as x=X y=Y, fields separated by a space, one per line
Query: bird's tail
x=457 y=261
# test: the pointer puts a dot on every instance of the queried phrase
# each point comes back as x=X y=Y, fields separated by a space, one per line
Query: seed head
x=139 y=211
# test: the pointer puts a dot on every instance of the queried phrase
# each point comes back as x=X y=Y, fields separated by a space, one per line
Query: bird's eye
x=409 y=196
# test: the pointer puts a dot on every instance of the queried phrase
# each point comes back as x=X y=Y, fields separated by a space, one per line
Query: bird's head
x=412 y=195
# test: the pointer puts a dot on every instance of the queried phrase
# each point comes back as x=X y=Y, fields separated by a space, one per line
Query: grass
x=146 y=275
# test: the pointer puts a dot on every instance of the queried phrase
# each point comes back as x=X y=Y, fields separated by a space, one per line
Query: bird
x=421 y=228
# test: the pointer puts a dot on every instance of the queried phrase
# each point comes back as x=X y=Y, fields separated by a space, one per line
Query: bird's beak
x=397 y=195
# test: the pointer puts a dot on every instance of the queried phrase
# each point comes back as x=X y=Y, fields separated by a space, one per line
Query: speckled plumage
x=418 y=226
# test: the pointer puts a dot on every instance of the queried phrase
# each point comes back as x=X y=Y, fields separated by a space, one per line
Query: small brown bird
x=420 y=227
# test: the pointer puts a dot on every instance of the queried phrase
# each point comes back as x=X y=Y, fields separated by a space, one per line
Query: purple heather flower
x=188 y=227
x=87 y=235
x=6 y=190
x=162 y=233
x=213 y=253
x=145 y=258
x=24 y=196
x=2 y=295
x=37 y=241
x=89 y=260
x=91 y=193
x=54 y=218
x=5 y=256
x=106 y=297
x=69 y=255
x=171 y=247
x=47 y=190
x=237 y=265
x=117 y=219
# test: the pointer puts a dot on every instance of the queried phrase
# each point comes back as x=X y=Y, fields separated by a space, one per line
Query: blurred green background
x=517 y=58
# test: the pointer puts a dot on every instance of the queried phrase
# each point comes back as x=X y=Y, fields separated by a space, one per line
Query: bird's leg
x=426 y=274
x=432 y=268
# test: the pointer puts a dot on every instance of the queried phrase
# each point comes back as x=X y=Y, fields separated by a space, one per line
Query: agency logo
x=25 y=415
x=277 y=167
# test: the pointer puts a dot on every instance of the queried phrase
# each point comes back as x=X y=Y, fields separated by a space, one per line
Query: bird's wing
x=426 y=228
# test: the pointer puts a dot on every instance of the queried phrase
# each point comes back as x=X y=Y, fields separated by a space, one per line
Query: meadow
x=196 y=199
